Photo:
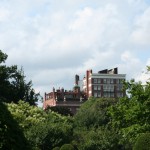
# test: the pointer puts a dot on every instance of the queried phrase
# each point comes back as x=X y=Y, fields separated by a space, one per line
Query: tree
x=13 y=84
x=101 y=138
x=56 y=148
x=43 y=130
x=67 y=147
x=92 y=130
x=11 y=134
x=61 y=110
x=93 y=113
x=3 y=57
x=6 y=75
x=143 y=142
x=131 y=115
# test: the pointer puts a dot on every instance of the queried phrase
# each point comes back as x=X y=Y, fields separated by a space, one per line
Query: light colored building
x=105 y=83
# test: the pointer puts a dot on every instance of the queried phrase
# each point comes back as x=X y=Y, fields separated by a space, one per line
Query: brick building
x=69 y=99
x=105 y=83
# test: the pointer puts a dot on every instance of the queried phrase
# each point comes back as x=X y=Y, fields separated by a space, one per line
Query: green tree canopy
x=143 y=142
x=92 y=129
x=11 y=134
x=67 y=147
x=131 y=115
x=43 y=130
x=94 y=112
x=61 y=110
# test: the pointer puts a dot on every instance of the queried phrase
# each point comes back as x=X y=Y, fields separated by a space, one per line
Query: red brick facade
x=69 y=99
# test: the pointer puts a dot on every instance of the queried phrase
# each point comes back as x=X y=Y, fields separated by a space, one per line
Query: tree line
x=13 y=84
x=100 y=123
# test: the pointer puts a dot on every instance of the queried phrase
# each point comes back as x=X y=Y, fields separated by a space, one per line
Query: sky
x=53 y=40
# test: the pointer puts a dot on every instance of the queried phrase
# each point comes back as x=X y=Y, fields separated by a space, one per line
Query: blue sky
x=54 y=40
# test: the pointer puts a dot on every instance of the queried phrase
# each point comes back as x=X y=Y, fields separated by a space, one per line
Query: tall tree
x=91 y=126
x=131 y=115
x=13 y=86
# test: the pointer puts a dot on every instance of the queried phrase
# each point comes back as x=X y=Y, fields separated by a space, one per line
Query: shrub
x=56 y=148
x=67 y=147
x=143 y=142
x=11 y=134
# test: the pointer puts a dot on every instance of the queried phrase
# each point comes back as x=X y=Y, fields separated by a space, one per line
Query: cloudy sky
x=55 y=39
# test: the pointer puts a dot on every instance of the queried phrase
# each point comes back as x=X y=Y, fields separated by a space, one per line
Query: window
x=104 y=80
x=111 y=80
x=111 y=88
x=99 y=80
x=105 y=94
x=117 y=81
x=119 y=87
x=108 y=80
x=95 y=80
x=111 y=94
x=99 y=87
x=95 y=87
x=108 y=94
x=119 y=94
x=95 y=94
x=98 y=94
x=108 y=87
x=105 y=87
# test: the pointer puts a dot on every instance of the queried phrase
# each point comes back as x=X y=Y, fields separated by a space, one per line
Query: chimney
x=115 y=70
x=76 y=79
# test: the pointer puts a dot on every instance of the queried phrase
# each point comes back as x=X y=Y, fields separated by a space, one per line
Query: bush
x=143 y=142
x=67 y=147
x=56 y=148
x=11 y=134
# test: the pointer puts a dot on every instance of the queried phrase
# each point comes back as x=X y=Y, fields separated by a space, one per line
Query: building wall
x=88 y=83
x=63 y=98
x=105 y=83
x=107 y=87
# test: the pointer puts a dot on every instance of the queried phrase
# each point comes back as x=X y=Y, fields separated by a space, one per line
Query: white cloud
x=144 y=75
x=130 y=65
x=54 y=40
x=4 y=14
x=141 y=33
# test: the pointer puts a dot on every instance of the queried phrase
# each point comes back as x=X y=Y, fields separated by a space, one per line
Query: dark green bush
x=67 y=147
x=11 y=135
x=143 y=142
x=56 y=148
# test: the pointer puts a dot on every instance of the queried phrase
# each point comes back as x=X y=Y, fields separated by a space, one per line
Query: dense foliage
x=11 y=134
x=67 y=147
x=131 y=115
x=61 y=110
x=93 y=113
x=92 y=129
x=43 y=130
x=143 y=142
